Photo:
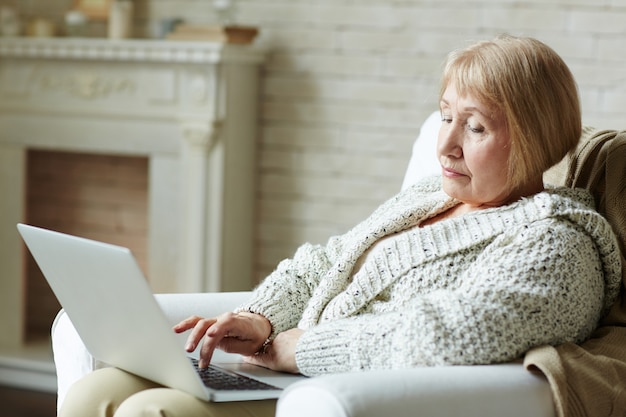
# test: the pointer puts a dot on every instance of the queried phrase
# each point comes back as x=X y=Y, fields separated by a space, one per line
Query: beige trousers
x=111 y=392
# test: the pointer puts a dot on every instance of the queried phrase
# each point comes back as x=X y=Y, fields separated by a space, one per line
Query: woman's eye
x=476 y=129
x=446 y=119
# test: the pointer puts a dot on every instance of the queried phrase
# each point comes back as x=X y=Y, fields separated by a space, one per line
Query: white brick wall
x=347 y=84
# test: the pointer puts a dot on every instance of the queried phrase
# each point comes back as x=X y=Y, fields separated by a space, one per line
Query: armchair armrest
x=467 y=391
x=73 y=360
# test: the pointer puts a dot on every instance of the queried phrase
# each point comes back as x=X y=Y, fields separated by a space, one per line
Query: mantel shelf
x=143 y=50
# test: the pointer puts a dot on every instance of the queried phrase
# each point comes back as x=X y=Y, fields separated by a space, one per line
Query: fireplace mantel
x=190 y=107
x=144 y=51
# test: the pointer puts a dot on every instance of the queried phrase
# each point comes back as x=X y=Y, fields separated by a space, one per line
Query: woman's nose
x=450 y=140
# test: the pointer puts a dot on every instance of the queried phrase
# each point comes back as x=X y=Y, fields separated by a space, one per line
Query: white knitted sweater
x=480 y=288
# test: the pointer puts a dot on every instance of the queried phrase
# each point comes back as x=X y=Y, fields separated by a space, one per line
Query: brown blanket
x=589 y=380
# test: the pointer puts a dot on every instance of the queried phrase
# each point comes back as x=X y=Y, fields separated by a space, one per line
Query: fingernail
x=189 y=347
x=201 y=363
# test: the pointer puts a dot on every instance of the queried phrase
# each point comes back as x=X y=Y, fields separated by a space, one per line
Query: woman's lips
x=451 y=173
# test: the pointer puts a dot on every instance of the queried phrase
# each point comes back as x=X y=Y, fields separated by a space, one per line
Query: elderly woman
x=474 y=266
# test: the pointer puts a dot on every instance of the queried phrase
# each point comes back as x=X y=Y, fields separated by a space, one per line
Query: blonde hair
x=532 y=87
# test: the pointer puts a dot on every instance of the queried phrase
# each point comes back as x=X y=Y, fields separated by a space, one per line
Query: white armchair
x=469 y=391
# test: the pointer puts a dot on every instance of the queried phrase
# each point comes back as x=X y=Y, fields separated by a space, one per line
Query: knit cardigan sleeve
x=518 y=293
x=283 y=295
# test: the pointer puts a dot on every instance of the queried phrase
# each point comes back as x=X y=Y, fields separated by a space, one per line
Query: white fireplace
x=190 y=108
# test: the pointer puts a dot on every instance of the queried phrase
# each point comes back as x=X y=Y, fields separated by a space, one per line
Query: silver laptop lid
x=109 y=302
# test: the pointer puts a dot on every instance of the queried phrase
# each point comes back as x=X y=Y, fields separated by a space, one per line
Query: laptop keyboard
x=220 y=379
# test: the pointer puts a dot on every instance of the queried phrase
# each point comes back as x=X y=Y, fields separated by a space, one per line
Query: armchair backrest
x=423 y=160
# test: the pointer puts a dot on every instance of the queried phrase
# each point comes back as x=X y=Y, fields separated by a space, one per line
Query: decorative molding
x=201 y=135
x=143 y=50
x=83 y=84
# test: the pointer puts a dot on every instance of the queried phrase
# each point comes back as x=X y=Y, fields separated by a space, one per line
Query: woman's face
x=473 y=150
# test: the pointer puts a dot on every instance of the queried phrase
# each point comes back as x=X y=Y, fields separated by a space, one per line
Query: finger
x=186 y=324
x=219 y=329
x=209 y=345
x=197 y=333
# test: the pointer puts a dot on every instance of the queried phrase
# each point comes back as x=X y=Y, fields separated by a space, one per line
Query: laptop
x=109 y=302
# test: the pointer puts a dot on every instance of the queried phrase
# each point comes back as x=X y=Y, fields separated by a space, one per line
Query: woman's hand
x=242 y=333
x=280 y=354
